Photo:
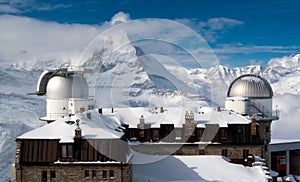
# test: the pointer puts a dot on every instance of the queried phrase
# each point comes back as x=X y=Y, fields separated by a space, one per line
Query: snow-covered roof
x=107 y=124
x=176 y=116
x=284 y=141
x=98 y=127
x=193 y=168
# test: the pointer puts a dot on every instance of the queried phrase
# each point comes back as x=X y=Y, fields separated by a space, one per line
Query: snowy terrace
x=193 y=168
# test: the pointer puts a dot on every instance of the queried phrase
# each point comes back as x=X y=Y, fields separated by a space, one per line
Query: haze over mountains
x=128 y=77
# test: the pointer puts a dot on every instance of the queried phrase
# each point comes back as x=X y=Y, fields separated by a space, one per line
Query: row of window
x=93 y=174
x=67 y=150
x=87 y=174
x=179 y=134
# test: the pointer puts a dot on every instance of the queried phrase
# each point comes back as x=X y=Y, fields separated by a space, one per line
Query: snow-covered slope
x=130 y=77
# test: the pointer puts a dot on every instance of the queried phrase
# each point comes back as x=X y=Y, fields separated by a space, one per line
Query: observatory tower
x=251 y=95
x=66 y=90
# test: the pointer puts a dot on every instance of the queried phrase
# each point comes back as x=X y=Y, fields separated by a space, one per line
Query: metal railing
x=256 y=108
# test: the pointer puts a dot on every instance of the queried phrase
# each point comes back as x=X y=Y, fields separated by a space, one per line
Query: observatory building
x=66 y=90
x=96 y=144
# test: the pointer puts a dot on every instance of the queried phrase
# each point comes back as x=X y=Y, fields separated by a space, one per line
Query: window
x=253 y=128
x=281 y=161
x=245 y=153
x=199 y=133
x=155 y=134
x=86 y=173
x=266 y=148
x=52 y=176
x=70 y=151
x=104 y=174
x=223 y=133
x=104 y=149
x=44 y=176
x=224 y=152
x=64 y=150
x=67 y=151
x=201 y=152
x=142 y=133
x=111 y=173
x=94 y=174
x=178 y=134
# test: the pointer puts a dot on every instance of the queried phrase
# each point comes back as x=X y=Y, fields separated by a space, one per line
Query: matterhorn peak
x=120 y=17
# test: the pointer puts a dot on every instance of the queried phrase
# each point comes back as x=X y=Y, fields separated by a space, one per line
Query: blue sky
x=240 y=32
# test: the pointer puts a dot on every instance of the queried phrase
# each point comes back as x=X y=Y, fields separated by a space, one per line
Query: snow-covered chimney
x=142 y=122
x=77 y=130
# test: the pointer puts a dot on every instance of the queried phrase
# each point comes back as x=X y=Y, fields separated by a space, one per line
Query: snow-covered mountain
x=126 y=76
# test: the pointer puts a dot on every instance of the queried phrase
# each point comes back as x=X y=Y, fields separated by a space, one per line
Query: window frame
x=67 y=151
x=104 y=174
x=223 y=134
x=44 y=177
x=52 y=176
x=245 y=153
x=94 y=173
x=225 y=152
x=111 y=173
x=87 y=173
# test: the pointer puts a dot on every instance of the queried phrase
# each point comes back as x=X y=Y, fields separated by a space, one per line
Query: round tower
x=252 y=95
x=66 y=91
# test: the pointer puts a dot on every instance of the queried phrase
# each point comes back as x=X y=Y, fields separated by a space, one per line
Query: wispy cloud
x=244 y=49
x=21 y=6
x=213 y=28
x=6 y=8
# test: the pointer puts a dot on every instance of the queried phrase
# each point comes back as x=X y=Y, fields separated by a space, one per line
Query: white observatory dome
x=252 y=86
x=70 y=86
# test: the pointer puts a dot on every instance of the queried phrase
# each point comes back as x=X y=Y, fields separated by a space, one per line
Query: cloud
x=220 y=23
x=213 y=28
x=5 y=8
x=25 y=39
x=21 y=6
x=255 y=62
x=240 y=48
x=120 y=17
x=288 y=124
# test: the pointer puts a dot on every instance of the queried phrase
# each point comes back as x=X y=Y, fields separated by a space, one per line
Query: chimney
x=253 y=125
x=112 y=110
x=189 y=125
x=77 y=130
x=161 y=109
x=142 y=122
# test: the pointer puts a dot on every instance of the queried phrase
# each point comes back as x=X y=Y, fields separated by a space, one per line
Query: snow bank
x=195 y=168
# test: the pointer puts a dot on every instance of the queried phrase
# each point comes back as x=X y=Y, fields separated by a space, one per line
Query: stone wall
x=264 y=130
x=234 y=151
x=74 y=173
